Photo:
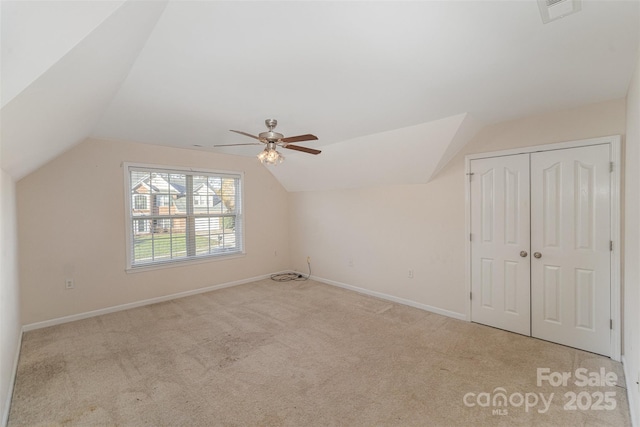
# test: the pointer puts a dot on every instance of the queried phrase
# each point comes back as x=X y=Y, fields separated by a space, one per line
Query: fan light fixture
x=270 y=155
x=273 y=140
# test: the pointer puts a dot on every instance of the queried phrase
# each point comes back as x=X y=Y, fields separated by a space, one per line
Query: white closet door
x=500 y=270
x=570 y=231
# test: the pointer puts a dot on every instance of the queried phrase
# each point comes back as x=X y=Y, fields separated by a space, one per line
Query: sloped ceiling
x=375 y=160
x=26 y=54
x=394 y=88
x=61 y=107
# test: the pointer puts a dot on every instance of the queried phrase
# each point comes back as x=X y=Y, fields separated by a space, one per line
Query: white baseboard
x=631 y=396
x=388 y=297
x=14 y=371
x=113 y=309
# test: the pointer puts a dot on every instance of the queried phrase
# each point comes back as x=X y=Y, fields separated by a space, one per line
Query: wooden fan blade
x=303 y=149
x=235 y=145
x=245 y=134
x=299 y=138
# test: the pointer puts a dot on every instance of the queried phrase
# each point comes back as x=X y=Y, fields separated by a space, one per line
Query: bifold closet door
x=570 y=244
x=500 y=269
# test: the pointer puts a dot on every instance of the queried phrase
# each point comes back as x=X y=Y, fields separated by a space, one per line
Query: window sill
x=184 y=262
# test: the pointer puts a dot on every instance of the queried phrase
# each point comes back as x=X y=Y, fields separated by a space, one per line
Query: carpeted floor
x=301 y=354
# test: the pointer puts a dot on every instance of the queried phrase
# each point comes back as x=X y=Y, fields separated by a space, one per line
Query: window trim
x=129 y=267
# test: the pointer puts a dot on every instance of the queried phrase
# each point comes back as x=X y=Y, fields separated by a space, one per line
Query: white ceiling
x=353 y=73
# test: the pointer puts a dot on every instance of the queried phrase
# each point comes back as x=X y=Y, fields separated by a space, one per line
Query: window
x=140 y=202
x=162 y=200
x=140 y=226
x=177 y=215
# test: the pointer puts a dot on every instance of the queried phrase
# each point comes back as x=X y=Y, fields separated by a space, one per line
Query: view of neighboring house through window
x=178 y=215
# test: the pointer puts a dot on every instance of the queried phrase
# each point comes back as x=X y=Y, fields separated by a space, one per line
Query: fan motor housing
x=271 y=136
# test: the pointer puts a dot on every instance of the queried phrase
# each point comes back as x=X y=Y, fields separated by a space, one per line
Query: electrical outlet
x=68 y=284
x=410 y=274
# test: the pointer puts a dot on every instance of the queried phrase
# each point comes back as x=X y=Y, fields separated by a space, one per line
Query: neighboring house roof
x=204 y=187
x=157 y=184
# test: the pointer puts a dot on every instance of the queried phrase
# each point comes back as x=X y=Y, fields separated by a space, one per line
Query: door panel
x=551 y=182
x=570 y=228
x=551 y=293
x=500 y=231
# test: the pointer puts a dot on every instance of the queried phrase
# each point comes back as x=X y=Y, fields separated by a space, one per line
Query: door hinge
x=610 y=323
x=611 y=245
x=470 y=295
x=610 y=166
x=470 y=237
x=470 y=175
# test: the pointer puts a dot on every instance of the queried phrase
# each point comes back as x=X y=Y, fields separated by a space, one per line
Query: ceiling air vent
x=550 y=10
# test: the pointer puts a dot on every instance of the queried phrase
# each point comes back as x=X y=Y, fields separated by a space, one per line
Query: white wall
x=632 y=247
x=72 y=225
x=385 y=231
x=10 y=326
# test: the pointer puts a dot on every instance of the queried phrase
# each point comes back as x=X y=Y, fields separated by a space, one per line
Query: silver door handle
x=523 y=254
x=537 y=254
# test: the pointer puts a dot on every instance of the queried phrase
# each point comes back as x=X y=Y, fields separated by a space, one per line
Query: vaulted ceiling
x=395 y=88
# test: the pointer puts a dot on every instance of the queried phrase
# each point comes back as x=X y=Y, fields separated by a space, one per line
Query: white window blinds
x=176 y=215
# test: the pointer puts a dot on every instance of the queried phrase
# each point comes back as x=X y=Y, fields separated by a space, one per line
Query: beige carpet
x=298 y=354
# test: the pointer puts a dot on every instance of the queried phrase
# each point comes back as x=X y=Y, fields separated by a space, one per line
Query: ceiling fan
x=274 y=139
